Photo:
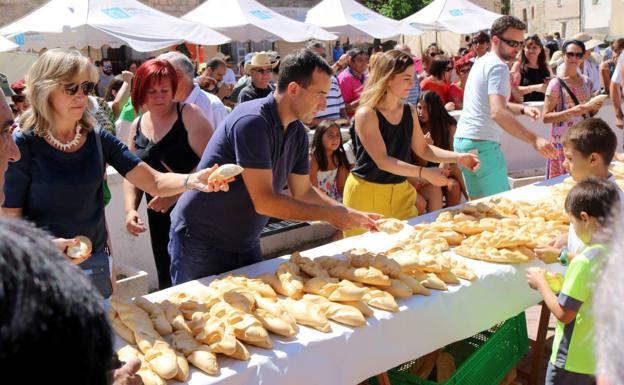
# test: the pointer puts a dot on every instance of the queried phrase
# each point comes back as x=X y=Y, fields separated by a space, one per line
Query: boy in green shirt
x=589 y=204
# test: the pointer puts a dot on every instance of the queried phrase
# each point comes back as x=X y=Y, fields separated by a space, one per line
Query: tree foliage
x=396 y=9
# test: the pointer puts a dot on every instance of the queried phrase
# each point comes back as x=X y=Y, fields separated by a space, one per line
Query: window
x=524 y=15
x=559 y=3
x=532 y=13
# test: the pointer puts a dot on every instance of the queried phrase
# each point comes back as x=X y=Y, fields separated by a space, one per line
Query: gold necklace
x=64 y=146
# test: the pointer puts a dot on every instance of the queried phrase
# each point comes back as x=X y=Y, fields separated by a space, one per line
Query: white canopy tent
x=348 y=18
x=245 y=20
x=82 y=23
x=7 y=45
x=459 y=16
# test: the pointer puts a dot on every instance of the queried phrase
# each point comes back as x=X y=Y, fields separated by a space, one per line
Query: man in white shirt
x=189 y=92
x=486 y=111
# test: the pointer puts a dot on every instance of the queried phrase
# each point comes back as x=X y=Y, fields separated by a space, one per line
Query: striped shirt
x=335 y=103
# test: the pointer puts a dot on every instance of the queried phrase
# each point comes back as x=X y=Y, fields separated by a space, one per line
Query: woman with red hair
x=456 y=90
x=170 y=136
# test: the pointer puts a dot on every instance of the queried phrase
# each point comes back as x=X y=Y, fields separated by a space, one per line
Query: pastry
x=225 y=171
x=390 y=225
x=162 y=326
x=307 y=313
x=333 y=289
x=338 y=312
x=82 y=249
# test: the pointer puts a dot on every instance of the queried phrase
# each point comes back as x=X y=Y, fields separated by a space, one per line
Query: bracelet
x=563 y=257
x=420 y=173
x=186 y=187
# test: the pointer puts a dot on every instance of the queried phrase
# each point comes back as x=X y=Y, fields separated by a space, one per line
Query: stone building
x=541 y=16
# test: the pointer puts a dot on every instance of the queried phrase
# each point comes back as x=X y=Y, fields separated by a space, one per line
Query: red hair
x=151 y=72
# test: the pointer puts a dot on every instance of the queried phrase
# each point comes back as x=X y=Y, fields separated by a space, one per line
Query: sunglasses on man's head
x=571 y=55
x=511 y=43
x=72 y=89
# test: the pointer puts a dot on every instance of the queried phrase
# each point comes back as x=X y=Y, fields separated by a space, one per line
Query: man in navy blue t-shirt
x=214 y=233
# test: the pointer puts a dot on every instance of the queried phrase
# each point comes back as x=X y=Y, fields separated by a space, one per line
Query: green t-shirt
x=127 y=112
x=573 y=343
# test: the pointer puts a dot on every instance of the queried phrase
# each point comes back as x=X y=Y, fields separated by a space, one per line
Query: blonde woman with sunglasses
x=57 y=183
x=387 y=131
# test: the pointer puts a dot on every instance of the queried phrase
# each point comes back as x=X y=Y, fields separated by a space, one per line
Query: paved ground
x=532 y=316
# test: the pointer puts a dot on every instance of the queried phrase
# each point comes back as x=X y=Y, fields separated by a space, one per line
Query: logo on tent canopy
x=456 y=12
x=262 y=15
x=359 y=16
x=20 y=39
x=116 y=13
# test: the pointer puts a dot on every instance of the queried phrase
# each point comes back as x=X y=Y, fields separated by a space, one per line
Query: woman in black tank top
x=387 y=131
x=170 y=137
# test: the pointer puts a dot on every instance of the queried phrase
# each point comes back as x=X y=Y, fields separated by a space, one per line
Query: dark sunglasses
x=464 y=71
x=107 y=67
x=571 y=55
x=72 y=89
x=512 y=43
x=18 y=98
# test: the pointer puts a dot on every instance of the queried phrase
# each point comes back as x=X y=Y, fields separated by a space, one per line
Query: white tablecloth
x=423 y=324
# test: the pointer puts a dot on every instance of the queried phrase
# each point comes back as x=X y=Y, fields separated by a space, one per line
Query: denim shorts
x=491 y=177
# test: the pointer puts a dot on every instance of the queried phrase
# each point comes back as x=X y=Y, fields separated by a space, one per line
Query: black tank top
x=398 y=140
x=534 y=76
x=172 y=153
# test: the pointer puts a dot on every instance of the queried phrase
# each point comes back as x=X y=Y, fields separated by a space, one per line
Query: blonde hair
x=55 y=68
x=382 y=70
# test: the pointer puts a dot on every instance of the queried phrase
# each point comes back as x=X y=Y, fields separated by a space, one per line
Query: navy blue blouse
x=62 y=192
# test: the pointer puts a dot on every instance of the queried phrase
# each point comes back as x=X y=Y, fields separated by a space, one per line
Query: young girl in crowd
x=439 y=128
x=329 y=166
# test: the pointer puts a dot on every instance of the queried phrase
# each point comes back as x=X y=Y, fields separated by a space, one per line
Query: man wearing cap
x=106 y=77
x=19 y=99
x=259 y=70
x=591 y=61
x=221 y=232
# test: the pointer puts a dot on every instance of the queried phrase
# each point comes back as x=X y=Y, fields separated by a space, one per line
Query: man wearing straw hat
x=259 y=69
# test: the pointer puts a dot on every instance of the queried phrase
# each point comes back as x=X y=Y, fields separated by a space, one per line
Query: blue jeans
x=197 y=258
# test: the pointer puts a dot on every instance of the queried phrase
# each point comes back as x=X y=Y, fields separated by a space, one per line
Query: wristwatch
x=563 y=257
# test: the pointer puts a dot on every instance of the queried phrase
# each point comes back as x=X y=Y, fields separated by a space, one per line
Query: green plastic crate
x=483 y=359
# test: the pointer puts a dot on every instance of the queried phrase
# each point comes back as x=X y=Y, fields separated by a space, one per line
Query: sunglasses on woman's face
x=72 y=89
x=571 y=55
x=448 y=69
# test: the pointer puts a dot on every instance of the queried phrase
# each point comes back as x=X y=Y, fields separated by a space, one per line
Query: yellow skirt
x=390 y=200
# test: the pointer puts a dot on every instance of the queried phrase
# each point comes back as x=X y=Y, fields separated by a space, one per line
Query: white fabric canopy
x=459 y=16
x=81 y=23
x=7 y=45
x=244 y=20
x=348 y=18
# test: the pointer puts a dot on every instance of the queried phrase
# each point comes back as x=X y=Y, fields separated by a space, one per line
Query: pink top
x=350 y=86
x=417 y=65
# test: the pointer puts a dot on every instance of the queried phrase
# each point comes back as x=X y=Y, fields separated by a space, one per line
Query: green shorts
x=491 y=177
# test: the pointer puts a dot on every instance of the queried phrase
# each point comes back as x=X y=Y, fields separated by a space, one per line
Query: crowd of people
x=166 y=124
